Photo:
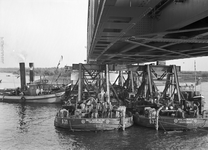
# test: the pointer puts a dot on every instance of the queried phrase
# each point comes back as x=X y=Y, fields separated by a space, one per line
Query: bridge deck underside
x=141 y=31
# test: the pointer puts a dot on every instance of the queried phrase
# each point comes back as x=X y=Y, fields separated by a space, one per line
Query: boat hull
x=49 y=98
x=91 y=124
x=171 y=123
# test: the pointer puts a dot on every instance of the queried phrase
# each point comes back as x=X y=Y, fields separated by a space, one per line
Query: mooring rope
x=3 y=97
x=44 y=119
x=197 y=128
x=204 y=123
x=175 y=124
x=162 y=126
x=70 y=126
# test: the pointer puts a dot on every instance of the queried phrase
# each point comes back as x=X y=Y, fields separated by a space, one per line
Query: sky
x=42 y=31
x=191 y=64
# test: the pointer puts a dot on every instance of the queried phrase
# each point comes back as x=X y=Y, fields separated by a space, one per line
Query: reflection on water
x=31 y=127
x=134 y=138
x=22 y=115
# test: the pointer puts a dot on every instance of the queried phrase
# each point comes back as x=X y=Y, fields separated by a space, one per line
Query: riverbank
x=54 y=80
x=53 y=74
x=61 y=75
x=11 y=81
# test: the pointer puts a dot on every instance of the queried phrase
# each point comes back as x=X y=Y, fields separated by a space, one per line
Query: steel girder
x=138 y=31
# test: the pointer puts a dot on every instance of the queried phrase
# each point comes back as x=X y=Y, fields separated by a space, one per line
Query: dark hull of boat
x=92 y=124
x=172 y=123
x=49 y=98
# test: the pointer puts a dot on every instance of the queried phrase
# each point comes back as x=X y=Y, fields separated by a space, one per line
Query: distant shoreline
x=184 y=76
x=50 y=79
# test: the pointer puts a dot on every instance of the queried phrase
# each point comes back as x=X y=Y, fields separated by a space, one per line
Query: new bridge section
x=138 y=31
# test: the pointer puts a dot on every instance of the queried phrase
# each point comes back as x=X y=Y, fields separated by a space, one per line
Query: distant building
x=161 y=63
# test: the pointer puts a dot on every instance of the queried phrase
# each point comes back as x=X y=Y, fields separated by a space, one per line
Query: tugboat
x=91 y=105
x=34 y=92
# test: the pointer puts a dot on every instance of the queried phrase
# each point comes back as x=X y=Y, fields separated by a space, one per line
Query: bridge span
x=138 y=31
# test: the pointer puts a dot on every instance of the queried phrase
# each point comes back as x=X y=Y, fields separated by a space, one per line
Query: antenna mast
x=2 y=49
x=195 y=76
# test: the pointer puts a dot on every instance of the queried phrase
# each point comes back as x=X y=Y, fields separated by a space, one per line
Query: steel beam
x=121 y=67
x=162 y=49
x=178 y=15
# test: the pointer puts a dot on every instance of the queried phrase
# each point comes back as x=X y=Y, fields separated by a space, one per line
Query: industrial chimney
x=31 y=65
x=22 y=75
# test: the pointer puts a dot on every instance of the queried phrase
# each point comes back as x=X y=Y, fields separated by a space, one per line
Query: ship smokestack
x=31 y=65
x=22 y=75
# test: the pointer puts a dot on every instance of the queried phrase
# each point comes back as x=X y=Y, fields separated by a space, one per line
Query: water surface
x=31 y=127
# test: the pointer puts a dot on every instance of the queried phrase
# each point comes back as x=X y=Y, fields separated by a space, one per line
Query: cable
x=199 y=128
x=162 y=127
x=70 y=126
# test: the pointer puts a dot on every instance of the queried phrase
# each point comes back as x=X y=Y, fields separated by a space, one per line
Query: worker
x=18 y=91
x=38 y=91
x=180 y=113
x=82 y=105
x=41 y=90
x=196 y=110
x=63 y=113
x=109 y=110
x=94 y=109
x=104 y=109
